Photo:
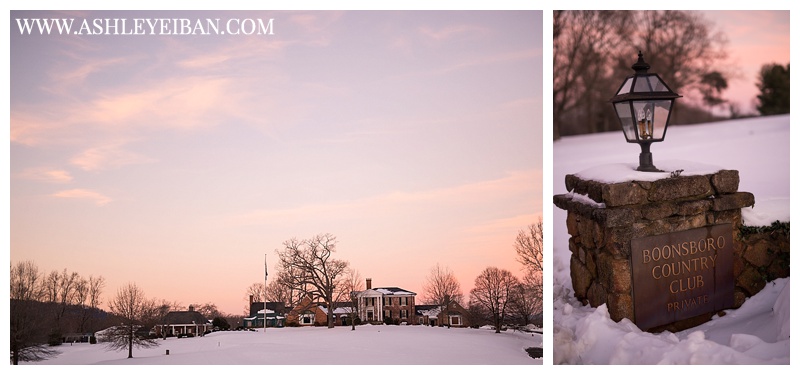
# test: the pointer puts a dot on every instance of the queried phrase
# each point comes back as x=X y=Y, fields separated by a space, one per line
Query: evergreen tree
x=773 y=83
x=221 y=323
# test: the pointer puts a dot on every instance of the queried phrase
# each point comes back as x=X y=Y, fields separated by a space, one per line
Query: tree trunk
x=130 y=343
x=330 y=308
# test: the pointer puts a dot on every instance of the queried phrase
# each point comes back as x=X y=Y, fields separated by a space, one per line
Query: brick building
x=386 y=304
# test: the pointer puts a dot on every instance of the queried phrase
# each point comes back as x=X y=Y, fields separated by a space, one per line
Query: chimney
x=191 y=308
x=251 y=299
x=369 y=283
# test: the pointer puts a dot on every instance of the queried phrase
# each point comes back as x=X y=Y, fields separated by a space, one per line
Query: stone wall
x=764 y=257
x=603 y=218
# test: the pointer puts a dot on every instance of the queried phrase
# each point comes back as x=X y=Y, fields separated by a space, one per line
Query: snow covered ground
x=756 y=333
x=367 y=345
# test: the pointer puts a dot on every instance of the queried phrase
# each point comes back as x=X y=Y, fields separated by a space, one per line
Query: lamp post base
x=650 y=168
x=646 y=160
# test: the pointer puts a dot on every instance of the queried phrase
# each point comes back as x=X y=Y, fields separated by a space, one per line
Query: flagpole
x=265 y=293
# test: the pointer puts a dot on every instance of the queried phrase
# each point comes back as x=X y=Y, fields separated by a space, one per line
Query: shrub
x=54 y=339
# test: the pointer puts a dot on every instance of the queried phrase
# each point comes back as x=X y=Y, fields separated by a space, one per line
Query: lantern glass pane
x=651 y=117
x=626 y=87
x=661 y=110
x=642 y=85
x=626 y=120
x=657 y=84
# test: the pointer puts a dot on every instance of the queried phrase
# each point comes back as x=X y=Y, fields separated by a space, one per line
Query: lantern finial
x=641 y=66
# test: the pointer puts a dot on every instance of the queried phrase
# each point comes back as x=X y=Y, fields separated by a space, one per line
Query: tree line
x=307 y=269
x=44 y=306
x=47 y=306
x=593 y=52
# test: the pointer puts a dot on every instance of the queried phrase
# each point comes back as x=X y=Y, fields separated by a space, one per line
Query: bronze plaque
x=682 y=274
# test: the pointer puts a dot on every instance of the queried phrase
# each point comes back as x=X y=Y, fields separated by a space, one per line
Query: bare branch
x=307 y=267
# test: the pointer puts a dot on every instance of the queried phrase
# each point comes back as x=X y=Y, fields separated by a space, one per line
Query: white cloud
x=450 y=32
x=99 y=199
x=47 y=175
x=108 y=157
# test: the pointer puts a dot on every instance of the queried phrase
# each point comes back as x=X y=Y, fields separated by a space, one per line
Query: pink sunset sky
x=178 y=162
x=755 y=38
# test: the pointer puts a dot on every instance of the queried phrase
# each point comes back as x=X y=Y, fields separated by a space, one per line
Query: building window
x=455 y=320
x=404 y=301
x=307 y=318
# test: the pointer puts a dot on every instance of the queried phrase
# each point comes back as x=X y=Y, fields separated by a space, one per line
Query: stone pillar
x=604 y=218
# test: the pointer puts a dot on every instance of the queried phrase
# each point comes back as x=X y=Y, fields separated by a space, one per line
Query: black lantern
x=643 y=104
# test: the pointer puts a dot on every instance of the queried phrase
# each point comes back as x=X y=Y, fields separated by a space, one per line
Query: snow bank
x=757 y=332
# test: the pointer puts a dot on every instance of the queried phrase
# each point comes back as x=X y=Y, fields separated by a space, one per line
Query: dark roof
x=393 y=290
x=278 y=307
x=337 y=305
x=185 y=317
x=419 y=308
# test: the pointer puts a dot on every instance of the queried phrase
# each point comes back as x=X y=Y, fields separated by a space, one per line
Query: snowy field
x=367 y=345
x=756 y=333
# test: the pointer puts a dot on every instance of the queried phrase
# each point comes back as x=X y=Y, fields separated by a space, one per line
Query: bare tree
x=258 y=292
x=26 y=281
x=27 y=336
x=494 y=292
x=59 y=289
x=96 y=285
x=67 y=283
x=711 y=86
x=81 y=298
x=593 y=51
x=441 y=287
x=353 y=284
x=526 y=301
x=683 y=46
x=276 y=291
x=530 y=253
x=280 y=290
x=584 y=44
x=50 y=287
x=209 y=310
x=530 y=248
x=308 y=268
x=134 y=309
